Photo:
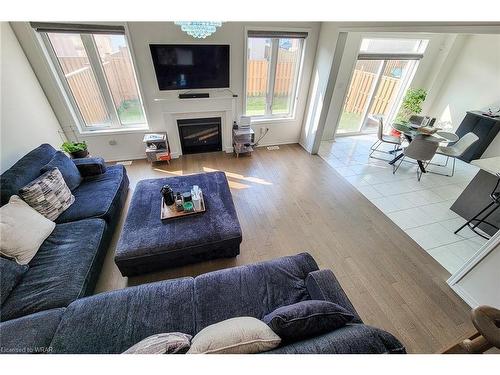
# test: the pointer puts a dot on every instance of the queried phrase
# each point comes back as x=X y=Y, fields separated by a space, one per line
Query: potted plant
x=411 y=105
x=75 y=149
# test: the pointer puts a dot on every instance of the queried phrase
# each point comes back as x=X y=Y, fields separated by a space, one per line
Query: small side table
x=243 y=140
x=157 y=147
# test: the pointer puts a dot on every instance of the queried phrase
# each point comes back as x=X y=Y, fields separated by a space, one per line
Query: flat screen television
x=191 y=66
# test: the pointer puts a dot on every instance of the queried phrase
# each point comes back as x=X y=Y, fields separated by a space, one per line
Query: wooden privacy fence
x=257 y=71
x=358 y=94
x=120 y=78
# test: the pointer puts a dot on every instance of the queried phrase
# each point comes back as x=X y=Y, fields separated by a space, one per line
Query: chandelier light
x=199 y=29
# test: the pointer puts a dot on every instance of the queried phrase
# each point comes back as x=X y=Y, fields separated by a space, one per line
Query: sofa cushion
x=350 y=339
x=68 y=169
x=100 y=196
x=30 y=334
x=61 y=271
x=22 y=230
x=114 y=321
x=90 y=166
x=252 y=290
x=323 y=285
x=307 y=318
x=48 y=194
x=10 y=275
x=24 y=171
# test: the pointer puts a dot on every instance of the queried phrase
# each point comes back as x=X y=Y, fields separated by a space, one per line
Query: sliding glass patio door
x=381 y=76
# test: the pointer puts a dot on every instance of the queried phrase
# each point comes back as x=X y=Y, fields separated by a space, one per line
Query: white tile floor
x=420 y=208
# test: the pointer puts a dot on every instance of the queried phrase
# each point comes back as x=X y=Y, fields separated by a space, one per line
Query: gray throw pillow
x=162 y=343
x=68 y=169
x=10 y=275
x=307 y=318
x=48 y=194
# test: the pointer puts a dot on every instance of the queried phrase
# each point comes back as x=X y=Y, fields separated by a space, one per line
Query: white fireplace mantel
x=175 y=109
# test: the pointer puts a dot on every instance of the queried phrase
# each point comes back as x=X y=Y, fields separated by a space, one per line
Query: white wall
x=320 y=78
x=27 y=120
x=470 y=81
x=141 y=34
x=477 y=281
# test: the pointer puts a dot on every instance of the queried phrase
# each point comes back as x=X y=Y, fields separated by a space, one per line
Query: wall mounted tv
x=191 y=66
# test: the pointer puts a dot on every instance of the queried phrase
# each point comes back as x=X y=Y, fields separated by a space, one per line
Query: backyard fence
x=361 y=86
x=119 y=75
x=257 y=71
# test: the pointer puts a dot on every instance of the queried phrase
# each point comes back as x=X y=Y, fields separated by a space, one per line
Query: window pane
x=363 y=81
x=385 y=97
x=286 y=72
x=258 y=65
x=117 y=63
x=80 y=77
x=381 y=45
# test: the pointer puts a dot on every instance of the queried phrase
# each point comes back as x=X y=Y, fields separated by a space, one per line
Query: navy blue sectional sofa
x=68 y=263
x=112 y=322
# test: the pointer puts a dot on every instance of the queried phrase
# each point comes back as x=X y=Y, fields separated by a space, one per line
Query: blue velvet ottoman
x=149 y=244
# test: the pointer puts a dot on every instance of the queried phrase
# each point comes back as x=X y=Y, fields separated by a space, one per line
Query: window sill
x=264 y=120
x=129 y=130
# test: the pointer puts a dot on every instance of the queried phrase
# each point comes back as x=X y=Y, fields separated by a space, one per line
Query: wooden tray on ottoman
x=170 y=212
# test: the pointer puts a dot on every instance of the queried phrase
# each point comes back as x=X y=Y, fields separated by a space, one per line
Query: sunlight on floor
x=239 y=176
x=175 y=173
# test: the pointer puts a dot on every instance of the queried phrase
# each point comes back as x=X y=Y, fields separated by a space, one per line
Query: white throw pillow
x=244 y=335
x=22 y=230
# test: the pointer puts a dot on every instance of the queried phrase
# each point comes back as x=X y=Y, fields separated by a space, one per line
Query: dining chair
x=456 y=150
x=420 y=150
x=384 y=138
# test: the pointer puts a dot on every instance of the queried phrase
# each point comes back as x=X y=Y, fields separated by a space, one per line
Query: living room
x=273 y=187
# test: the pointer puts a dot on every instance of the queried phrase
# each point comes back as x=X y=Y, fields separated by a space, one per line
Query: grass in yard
x=130 y=112
x=349 y=122
x=256 y=105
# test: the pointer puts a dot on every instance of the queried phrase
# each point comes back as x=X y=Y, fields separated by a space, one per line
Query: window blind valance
x=76 y=28
x=276 y=34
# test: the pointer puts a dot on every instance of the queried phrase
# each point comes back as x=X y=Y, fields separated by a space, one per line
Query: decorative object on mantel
x=77 y=150
x=199 y=29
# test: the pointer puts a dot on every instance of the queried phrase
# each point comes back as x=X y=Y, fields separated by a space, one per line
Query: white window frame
x=268 y=115
x=95 y=62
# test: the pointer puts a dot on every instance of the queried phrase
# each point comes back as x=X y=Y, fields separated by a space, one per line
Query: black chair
x=475 y=221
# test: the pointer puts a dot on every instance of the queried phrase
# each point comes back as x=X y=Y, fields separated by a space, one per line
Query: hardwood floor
x=288 y=202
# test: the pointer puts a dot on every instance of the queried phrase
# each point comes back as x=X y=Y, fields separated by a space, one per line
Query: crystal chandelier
x=199 y=29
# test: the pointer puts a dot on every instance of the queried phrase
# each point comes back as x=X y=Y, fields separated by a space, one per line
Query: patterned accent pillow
x=162 y=343
x=48 y=194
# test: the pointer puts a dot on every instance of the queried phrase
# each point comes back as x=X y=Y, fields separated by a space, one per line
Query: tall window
x=97 y=73
x=381 y=76
x=272 y=72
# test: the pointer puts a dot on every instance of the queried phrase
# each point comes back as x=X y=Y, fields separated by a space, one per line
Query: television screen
x=191 y=66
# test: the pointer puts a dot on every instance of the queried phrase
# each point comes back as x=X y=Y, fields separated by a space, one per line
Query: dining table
x=411 y=131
